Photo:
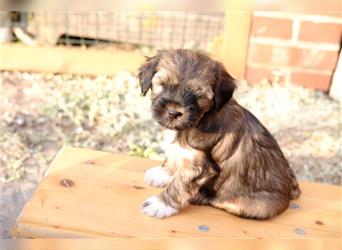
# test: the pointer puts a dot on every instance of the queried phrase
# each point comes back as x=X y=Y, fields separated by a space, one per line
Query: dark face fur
x=185 y=85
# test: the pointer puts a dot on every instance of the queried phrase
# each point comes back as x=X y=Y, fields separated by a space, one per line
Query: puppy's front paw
x=154 y=207
x=157 y=177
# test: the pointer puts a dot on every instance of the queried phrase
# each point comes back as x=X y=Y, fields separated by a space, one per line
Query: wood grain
x=174 y=243
x=92 y=194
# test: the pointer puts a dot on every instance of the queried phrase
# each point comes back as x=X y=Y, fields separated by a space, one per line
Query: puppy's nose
x=174 y=114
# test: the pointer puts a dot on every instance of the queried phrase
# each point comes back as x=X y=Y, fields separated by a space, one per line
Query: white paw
x=157 y=177
x=154 y=207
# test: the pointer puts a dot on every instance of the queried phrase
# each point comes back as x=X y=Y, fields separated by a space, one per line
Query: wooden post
x=237 y=24
x=336 y=85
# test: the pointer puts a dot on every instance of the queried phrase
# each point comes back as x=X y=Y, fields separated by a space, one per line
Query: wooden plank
x=108 y=190
x=67 y=60
x=172 y=244
x=237 y=24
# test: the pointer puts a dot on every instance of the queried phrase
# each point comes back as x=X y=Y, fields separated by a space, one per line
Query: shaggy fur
x=221 y=154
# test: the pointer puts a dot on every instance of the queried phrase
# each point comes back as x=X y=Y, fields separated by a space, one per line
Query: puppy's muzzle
x=174 y=114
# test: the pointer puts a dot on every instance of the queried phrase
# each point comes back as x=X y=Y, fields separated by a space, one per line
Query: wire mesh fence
x=161 y=30
x=8 y=21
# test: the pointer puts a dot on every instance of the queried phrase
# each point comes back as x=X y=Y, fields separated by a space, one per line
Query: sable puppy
x=220 y=155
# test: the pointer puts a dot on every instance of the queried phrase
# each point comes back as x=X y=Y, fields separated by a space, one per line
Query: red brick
x=293 y=57
x=255 y=75
x=268 y=54
x=314 y=59
x=312 y=80
x=320 y=81
x=320 y=32
x=300 y=7
x=271 y=27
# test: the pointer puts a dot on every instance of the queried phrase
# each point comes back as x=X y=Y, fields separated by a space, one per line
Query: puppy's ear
x=224 y=87
x=146 y=73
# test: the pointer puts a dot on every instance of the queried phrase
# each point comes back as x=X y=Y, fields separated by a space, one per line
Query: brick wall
x=289 y=48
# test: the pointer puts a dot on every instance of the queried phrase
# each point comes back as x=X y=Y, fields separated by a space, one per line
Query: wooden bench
x=92 y=194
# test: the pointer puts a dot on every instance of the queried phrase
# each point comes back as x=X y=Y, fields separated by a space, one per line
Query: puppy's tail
x=295 y=190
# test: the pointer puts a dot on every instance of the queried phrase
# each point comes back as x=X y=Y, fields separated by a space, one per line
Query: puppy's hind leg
x=259 y=206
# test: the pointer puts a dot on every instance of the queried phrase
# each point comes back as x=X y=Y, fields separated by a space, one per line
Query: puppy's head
x=185 y=85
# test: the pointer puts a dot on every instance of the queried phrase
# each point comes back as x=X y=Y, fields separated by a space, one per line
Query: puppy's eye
x=202 y=96
x=206 y=95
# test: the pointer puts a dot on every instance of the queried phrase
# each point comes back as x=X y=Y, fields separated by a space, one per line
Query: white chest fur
x=174 y=152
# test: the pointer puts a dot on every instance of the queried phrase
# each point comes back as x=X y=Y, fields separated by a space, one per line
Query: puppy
x=221 y=155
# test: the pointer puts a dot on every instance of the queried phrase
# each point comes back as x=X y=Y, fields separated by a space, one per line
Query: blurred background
x=69 y=79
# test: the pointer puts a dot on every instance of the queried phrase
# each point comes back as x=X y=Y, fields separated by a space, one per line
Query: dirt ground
x=43 y=112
